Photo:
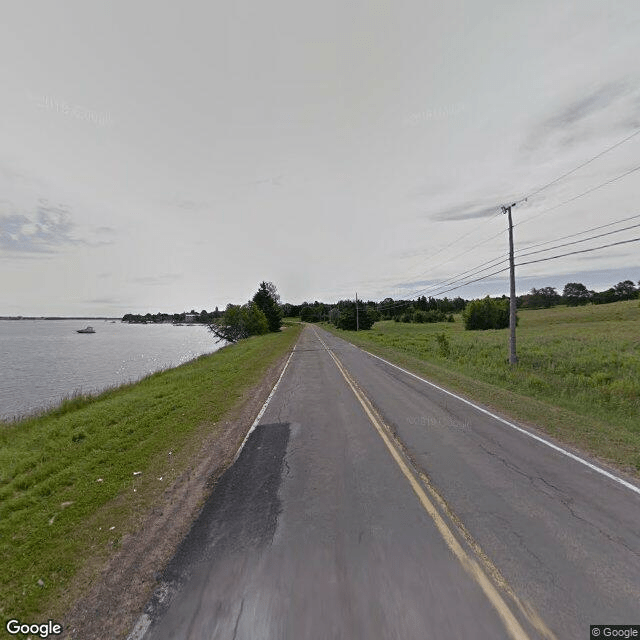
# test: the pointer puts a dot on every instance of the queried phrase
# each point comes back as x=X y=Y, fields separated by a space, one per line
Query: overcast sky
x=169 y=156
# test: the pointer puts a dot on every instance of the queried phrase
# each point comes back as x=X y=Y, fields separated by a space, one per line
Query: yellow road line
x=513 y=627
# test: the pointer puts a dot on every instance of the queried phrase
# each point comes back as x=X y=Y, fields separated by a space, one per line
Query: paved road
x=367 y=504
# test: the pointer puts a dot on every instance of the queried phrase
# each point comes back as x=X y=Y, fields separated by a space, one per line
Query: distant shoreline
x=59 y=318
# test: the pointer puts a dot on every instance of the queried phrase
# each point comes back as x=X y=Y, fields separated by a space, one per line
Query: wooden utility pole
x=513 y=358
x=357 y=316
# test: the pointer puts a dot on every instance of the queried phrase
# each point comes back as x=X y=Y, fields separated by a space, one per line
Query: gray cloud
x=106 y=230
x=46 y=231
x=159 y=279
x=467 y=211
x=586 y=105
x=573 y=123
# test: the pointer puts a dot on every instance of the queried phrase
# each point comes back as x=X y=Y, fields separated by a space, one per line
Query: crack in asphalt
x=606 y=534
x=523 y=545
x=561 y=496
x=235 y=630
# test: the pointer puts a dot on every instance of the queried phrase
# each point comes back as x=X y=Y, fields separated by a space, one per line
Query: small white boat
x=86 y=330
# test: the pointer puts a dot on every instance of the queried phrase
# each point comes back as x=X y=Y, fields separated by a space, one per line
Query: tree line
x=576 y=293
x=264 y=312
x=200 y=317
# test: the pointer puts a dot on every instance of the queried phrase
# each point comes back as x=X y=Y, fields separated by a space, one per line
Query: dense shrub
x=488 y=313
x=346 y=318
x=431 y=316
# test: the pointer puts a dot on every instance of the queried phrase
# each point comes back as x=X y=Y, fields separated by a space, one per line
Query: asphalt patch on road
x=240 y=514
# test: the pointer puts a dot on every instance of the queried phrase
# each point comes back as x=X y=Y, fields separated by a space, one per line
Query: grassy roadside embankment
x=78 y=478
x=578 y=376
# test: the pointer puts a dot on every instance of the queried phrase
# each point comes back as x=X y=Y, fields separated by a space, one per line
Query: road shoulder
x=113 y=601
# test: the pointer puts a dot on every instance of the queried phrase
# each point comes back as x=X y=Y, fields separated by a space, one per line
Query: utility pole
x=513 y=358
x=357 y=316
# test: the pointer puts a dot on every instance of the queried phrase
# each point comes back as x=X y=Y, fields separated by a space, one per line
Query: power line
x=448 y=282
x=439 y=293
x=476 y=270
x=456 y=278
x=562 y=255
x=584 y=193
x=603 y=184
x=498 y=259
x=472 y=281
x=566 y=244
x=584 y=164
x=466 y=235
x=579 y=233
x=519 y=264
x=571 y=253
x=494 y=262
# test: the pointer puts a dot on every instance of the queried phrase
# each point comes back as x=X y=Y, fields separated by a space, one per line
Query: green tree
x=267 y=299
x=625 y=290
x=541 y=298
x=346 y=318
x=240 y=322
x=487 y=313
x=575 y=293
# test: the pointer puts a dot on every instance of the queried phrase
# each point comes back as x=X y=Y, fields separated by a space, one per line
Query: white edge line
x=264 y=407
x=144 y=621
x=555 y=447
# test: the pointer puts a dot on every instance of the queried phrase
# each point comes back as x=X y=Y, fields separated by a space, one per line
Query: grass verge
x=578 y=376
x=75 y=480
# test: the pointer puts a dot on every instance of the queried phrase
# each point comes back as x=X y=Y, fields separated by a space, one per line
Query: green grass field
x=63 y=474
x=578 y=375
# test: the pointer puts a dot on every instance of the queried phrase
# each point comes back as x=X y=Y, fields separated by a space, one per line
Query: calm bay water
x=43 y=361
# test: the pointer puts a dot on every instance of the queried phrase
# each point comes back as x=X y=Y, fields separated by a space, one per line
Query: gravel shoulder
x=119 y=589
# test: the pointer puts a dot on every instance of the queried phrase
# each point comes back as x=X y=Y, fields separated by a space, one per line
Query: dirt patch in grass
x=114 y=598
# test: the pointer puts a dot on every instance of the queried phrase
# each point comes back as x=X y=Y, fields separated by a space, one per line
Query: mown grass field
x=578 y=375
x=73 y=481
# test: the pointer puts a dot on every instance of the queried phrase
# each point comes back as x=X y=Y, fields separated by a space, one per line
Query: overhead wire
x=492 y=263
x=566 y=244
x=571 y=253
x=458 y=239
x=549 y=209
x=580 y=195
x=603 y=184
x=476 y=270
x=502 y=258
x=579 y=233
x=580 y=166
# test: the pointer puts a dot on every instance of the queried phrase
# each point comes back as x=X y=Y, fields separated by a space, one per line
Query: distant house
x=190 y=317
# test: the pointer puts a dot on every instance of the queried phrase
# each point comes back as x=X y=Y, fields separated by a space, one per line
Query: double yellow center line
x=471 y=566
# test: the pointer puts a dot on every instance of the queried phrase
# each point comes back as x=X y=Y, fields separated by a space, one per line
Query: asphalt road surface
x=369 y=504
